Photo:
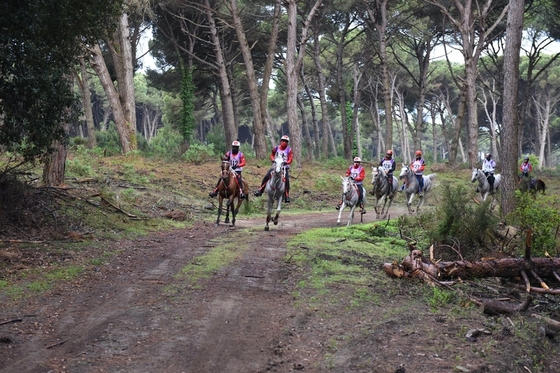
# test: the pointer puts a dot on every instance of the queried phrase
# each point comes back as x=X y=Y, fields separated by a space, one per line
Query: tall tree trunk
x=347 y=134
x=294 y=59
x=256 y=99
x=122 y=101
x=325 y=120
x=510 y=112
x=55 y=162
x=261 y=154
x=382 y=31
x=225 y=89
x=82 y=80
x=98 y=64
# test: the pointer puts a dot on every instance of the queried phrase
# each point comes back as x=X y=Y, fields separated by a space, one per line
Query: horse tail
x=432 y=176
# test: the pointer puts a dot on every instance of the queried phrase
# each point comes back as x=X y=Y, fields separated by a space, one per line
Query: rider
x=389 y=165
x=288 y=156
x=526 y=167
x=488 y=167
x=237 y=160
x=418 y=166
x=357 y=173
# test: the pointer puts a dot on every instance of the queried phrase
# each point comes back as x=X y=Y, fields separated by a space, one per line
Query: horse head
x=278 y=163
x=474 y=176
x=374 y=175
x=226 y=169
x=346 y=184
x=405 y=170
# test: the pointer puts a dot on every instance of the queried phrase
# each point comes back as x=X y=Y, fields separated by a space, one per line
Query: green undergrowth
x=348 y=257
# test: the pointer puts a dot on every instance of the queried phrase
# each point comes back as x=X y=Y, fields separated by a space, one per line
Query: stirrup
x=212 y=194
x=258 y=193
x=338 y=206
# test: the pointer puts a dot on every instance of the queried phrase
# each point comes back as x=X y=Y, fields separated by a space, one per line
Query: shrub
x=198 y=153
x=167 y=143
x=542 y=217
x=109 y=140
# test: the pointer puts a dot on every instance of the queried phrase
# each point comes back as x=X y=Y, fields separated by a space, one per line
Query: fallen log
x=464 y=269
x=495 y=307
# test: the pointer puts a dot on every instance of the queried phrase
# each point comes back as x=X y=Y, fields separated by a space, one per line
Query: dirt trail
x=120 y=318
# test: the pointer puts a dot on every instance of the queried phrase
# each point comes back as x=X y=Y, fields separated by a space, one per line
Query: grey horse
x=411 y=187
x=484 y=185
x=381 y=190
x=350 y=199
x=275 y=190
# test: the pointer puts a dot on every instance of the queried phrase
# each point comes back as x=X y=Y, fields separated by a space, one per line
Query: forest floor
x=135 y=311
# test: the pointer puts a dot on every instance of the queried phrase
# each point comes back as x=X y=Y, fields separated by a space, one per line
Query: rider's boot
x=287 y=197
x=259 y=191
x=213 y=193
x=241 y=194
x=339 y=206
x=362 y=209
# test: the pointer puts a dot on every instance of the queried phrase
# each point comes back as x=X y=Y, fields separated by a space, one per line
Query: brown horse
x=228 y=189
x=531 y=185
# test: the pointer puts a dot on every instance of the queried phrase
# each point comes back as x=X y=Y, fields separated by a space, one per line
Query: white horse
x=350 y=199
x=381 y=190
x=275 y=189
x=484 y=185
x=411 y=187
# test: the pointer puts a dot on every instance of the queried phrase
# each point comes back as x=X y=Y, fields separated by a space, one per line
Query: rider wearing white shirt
x=488 y=167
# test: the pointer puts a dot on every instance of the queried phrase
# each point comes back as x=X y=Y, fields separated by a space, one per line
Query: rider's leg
x=287 y=187
x=240 y=183
x=214 y=193
x=259 y=191
x=361 y=192
x=420 y=184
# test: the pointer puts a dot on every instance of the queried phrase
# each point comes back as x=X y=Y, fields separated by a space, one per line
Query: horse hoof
x=216 y=225
x=276 y=222
x=266 y=229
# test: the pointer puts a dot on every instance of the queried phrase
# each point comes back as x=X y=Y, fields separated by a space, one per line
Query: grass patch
x=204 y=266
x=347 y=257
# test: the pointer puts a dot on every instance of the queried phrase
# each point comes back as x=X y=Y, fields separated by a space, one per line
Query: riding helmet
x=527 y=158
x=418 y=152
x=357 y=159
x=389 y=152
x=236 y=143
x=285 y=138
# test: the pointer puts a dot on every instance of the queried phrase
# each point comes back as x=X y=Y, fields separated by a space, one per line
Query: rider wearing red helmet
x=357 y=173
x=418 y=166
x=237 y=160
x=288 y=155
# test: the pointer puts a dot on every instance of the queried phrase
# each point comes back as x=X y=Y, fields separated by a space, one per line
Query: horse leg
x=340 y=211
x=351 y=216
x=268 y=218
x=219 y=211
x=409 y=203
x=278 y=209
x=233 y=213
